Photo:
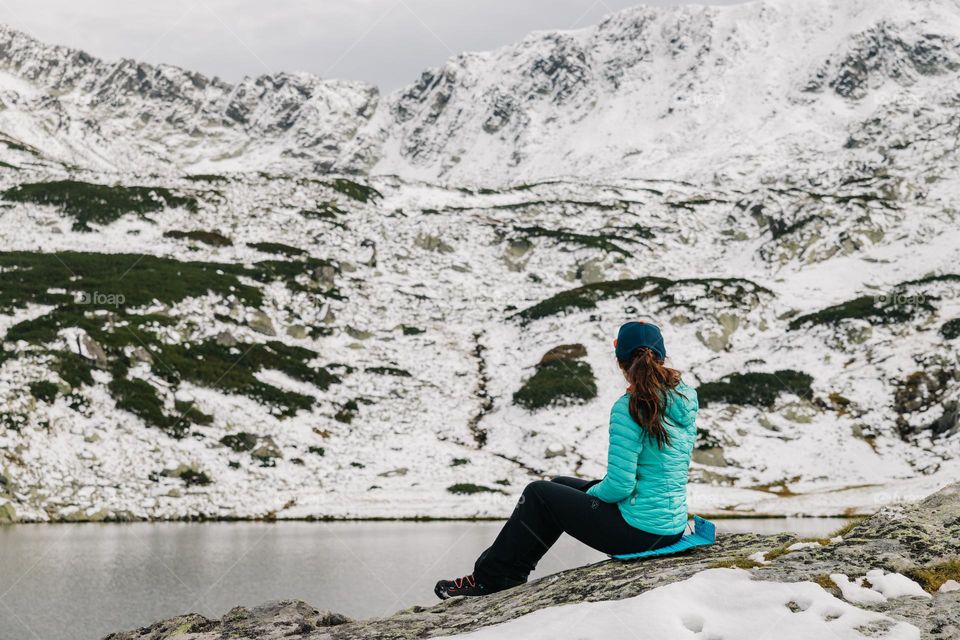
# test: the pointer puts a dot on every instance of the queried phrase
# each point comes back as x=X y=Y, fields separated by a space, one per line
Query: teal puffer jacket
x=649 y=484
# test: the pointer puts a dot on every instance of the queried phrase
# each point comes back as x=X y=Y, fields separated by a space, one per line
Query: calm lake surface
x=82 y=581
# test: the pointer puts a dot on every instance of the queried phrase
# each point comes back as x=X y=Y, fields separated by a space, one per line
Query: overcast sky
x=384 y=42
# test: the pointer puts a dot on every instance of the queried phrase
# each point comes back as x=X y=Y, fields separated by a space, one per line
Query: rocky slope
x=919 y=541
x=264 y=346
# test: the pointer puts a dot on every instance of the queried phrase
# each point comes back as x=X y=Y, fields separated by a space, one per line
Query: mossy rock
x=564 y=352
x=267 y=452
x=430 y=242
x=190 y=475
x=99 y=204
x=347 y=412
x=922 y=390
x=560 y=379
x=239 y=442
x=8 y=513
x=755 y=389
x=195 y=478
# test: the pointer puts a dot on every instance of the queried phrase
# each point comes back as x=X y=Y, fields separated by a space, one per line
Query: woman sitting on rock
x=641 y=503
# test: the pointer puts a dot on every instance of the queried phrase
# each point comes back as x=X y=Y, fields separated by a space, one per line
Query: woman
x=641 y=503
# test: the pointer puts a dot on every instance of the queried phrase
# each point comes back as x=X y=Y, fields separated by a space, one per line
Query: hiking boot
x=465 y=586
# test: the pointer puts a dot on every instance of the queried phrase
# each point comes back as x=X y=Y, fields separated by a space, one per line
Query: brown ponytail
x=650 y=381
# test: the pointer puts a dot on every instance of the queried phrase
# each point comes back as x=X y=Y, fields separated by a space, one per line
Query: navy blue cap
x=634 y=335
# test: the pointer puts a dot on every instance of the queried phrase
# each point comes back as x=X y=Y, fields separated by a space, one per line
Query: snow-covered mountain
x=71 y=108
x=199 y=319
x=756 y=90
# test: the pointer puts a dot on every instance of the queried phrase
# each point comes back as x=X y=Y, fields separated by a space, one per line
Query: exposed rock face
x=898 y=539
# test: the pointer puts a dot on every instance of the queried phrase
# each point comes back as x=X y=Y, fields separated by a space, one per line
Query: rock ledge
x=920 y=540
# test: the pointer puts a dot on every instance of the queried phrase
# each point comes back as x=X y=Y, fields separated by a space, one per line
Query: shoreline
x=423 y=519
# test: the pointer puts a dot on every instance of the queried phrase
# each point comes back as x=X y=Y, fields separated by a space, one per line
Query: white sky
x=384 y=42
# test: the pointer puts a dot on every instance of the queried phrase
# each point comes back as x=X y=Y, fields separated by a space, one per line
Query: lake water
x=82 y=581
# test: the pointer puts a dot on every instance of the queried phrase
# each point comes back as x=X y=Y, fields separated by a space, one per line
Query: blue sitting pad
x=704 y=534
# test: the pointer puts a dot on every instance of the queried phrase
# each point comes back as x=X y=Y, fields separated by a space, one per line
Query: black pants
x=548 y=509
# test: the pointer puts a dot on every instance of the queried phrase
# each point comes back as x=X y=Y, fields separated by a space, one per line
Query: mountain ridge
x=649 y=92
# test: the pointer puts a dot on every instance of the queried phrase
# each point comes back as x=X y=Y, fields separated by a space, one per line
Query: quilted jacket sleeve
x=624 y=449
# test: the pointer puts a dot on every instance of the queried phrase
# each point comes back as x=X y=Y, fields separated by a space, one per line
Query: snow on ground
x=877 y=586
x=717 y=603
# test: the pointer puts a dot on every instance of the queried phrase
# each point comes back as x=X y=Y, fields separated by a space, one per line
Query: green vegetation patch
x=905 y=302
x=599 y=241
x=755 y=389
x=468 y=488
x=44 y=390
x=951 y=329
x=212 y=238
x=94 y=293
x=734 y=563
x=99 y=204
x=389 y=371
x=304 y=274
x=188 y=411
x=686 y=294
x=560 y=379
x=409 y=330
x=206 y=177
x=876 y=309
x=277 y=248
x=140 y=398
x=91 y=281
x=73 y=369
x=323 y=211
x=355 y=190
x=932 y=577
x=234 y=369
